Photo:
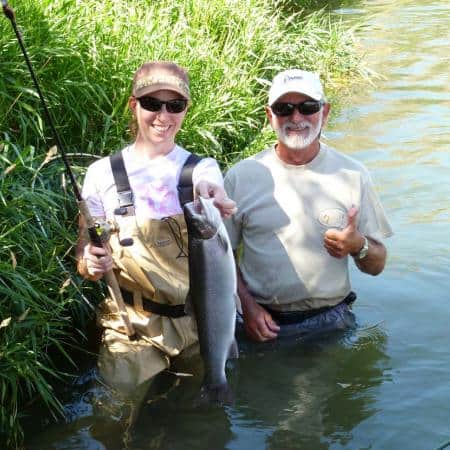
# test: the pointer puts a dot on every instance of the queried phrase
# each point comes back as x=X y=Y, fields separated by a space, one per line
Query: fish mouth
x=198 y=218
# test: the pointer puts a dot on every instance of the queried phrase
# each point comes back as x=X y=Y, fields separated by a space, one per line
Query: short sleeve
x=207 y=170
x=233 y=224
x=90 y=193
x=373 y=221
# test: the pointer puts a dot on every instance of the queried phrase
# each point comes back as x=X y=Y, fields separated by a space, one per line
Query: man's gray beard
x=298 y=142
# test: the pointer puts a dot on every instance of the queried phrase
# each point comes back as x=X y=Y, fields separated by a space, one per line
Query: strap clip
x=125 y=198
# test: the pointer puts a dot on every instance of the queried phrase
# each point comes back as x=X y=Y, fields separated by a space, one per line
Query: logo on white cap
x=296 y=80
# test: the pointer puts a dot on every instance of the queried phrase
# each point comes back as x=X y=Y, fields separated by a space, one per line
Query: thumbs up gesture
x=340 y=243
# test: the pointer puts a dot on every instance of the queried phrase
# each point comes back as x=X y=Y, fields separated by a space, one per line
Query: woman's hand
x=96 y=261
x=225 y=205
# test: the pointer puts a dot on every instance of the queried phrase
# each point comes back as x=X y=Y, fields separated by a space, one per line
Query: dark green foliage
x=37 y=301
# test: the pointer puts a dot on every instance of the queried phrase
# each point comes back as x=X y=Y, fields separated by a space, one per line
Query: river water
x=386 y=386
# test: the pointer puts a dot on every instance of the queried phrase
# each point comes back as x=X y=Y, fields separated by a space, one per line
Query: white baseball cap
x=296 y=80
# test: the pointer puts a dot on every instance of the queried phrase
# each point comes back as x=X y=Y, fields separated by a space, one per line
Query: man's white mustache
x=296 y=126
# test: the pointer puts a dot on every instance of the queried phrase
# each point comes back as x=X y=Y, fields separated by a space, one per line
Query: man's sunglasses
x=153 y=104
x=306 y=108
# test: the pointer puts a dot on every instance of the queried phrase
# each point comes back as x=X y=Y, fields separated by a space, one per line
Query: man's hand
x=225 y=205
x=258 y=323
x=349 y=241
x=97 y=260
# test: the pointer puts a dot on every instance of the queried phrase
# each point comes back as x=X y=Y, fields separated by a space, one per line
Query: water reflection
x=308 y=395
x=293 y=394
x=172 y=420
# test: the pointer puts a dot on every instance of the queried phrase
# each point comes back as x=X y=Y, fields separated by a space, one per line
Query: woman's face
x=159 y=127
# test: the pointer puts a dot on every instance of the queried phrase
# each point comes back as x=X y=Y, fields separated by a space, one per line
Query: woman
x=153 y=271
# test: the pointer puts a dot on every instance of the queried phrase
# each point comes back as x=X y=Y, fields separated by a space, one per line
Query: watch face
x=363 y=252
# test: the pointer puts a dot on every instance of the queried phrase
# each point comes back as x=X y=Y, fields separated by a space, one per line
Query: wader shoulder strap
x=125 y=194
x=185 y=186
x=124 y=191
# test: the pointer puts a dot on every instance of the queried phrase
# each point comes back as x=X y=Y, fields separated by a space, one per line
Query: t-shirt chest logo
x=333 y=218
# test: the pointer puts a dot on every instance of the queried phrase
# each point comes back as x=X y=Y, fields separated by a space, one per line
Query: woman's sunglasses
x=153 y=104
x=306 y=108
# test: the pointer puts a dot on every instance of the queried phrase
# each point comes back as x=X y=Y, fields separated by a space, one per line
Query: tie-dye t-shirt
x=153 y=182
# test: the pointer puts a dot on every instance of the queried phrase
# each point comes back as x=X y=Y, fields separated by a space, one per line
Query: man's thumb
x=351 y=217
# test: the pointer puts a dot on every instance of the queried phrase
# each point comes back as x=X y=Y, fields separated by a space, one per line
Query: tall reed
x=230 y=48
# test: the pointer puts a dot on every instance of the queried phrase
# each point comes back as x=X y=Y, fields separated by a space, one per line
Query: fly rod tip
x=8 y=11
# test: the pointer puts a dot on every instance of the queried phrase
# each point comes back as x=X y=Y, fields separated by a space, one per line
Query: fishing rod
x=94 y=227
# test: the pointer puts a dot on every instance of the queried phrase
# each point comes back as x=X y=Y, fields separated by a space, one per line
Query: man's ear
x=269 y=113
x=325 y=113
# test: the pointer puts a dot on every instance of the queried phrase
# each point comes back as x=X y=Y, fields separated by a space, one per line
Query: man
x=303 y=211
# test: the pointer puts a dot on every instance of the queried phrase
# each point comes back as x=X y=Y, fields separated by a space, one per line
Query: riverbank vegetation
x=84 y=54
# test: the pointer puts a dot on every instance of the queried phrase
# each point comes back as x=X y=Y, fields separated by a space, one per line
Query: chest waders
x=153 y=275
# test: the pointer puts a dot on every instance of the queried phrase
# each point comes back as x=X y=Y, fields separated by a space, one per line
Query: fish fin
x=219 y=395
x=233 y=352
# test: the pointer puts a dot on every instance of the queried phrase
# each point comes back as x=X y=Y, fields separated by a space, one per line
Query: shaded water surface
x=384 y=386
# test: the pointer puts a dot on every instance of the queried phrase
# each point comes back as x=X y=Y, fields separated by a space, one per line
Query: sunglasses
x=153 y=104
x=306 y=108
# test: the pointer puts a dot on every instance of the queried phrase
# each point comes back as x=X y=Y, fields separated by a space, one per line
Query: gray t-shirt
x=283 y=213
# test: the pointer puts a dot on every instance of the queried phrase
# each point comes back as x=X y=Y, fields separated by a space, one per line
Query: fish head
x=202 y=218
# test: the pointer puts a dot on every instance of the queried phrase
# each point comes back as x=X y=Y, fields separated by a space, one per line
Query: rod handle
x=110 y=278
x=116 y=295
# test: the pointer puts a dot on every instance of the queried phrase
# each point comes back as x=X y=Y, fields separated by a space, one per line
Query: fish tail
x=219 y=395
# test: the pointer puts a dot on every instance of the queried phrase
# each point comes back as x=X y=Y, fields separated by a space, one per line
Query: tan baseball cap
x=160 y=75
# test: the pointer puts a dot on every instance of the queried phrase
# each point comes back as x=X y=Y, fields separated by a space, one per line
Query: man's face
x=297 y=131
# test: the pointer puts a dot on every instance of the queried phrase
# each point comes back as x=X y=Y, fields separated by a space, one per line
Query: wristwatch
x=364 y=250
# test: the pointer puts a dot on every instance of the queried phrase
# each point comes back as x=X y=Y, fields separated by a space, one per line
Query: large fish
x=212 y=295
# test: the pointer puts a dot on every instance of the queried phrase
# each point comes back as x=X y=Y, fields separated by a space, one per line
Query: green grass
x=231 y=53
x=38 y=305
x=84 y=54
